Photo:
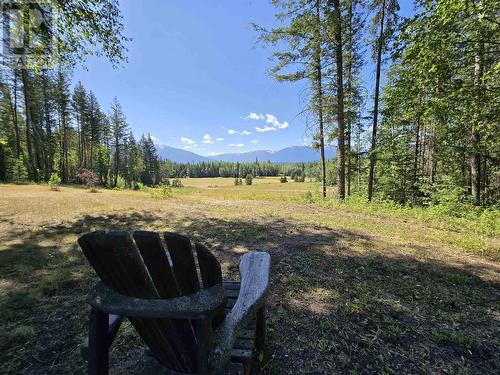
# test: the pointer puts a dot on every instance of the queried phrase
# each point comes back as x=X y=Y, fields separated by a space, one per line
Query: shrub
x=248 y=179
x=238 y=181
x=54 y=182
x=88 y=178
x=283 y=179
x=162 y=192
x=120 y=183
x=299 y=178
x=177 y=183
x=138 y=186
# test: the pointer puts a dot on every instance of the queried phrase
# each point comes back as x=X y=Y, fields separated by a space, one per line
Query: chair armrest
x=199 y=305
x=254 y=276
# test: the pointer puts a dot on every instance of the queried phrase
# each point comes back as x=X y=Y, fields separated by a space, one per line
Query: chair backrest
x=143 y=267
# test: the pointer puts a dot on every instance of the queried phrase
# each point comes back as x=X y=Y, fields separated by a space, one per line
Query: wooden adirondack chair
x=190 y=326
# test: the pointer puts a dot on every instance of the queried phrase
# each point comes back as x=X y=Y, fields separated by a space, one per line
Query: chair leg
x=203 y=333
x=98 y=355
x=260 y=337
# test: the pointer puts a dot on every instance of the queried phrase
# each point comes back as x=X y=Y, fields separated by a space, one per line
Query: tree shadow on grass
x=338 y=305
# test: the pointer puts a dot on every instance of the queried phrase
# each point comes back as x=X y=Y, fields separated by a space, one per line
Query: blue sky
x=197 y=78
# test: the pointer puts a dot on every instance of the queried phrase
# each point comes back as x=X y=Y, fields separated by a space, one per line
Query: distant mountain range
x=179 y=156
x=294 y=154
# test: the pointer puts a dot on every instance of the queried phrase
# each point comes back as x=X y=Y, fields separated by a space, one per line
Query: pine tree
x=62 y=98
x=119 y=129
x=383 y=24
x=304 y=59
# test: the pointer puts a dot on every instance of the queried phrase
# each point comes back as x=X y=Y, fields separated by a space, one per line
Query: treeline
x=239 y=170
x=430 y=129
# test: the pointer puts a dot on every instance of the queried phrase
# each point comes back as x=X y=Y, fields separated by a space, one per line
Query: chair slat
x=181 y=253
x=156 y=260
x=211 y=273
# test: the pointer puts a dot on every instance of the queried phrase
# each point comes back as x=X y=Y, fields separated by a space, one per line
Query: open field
x=355 y=288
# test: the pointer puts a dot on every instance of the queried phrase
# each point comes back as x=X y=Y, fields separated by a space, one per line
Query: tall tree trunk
x=117 y=157
x=27 y=111
x=48 y=126
x=475 y=158
x=79 y=138
x=13 y=107
x=319 y=83
x=380 y=44
x=415 y=161
x=351 y=101
x=65 y=148
x=340 y=97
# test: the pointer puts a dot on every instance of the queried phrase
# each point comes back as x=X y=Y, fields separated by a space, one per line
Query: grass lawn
x=354 y=288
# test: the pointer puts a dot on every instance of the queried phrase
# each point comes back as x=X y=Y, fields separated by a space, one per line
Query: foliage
x=177 y=183
x=84 y=28
x=54 y=182
x=238 y=181
x=248 y=179
x=162 y=192
x=88 y=178
x=283 y=179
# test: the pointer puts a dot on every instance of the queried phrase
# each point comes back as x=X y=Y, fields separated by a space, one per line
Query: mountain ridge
x=292 y=154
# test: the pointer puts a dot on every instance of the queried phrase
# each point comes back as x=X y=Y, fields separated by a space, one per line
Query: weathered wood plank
x=244 y=344
x=211 y=275
x=156 y=260
x=254 y=274
x=232 y=293
x=230 y=284
x=98 y=353
x=199 y=305
x=114 y=323
x=241 y=355
x=181 y=254
x=247 y=334
x=210 y=270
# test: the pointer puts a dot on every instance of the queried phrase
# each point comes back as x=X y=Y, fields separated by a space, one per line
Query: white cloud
x=254 y=116
x=187 y=141
x=233 y=132
x=155 y=139
x=255 y=142
x=236 y=145
x=207 y=139
x=265 y=129
x=273 y=120
x=219 y=139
